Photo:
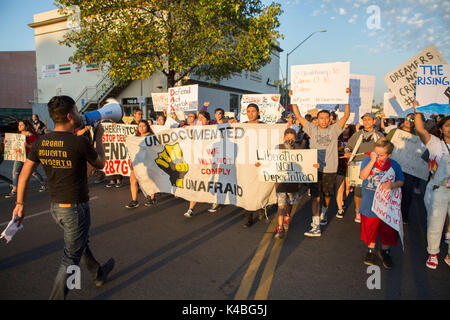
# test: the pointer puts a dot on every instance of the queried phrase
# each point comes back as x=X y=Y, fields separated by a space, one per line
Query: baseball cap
x=368 y=114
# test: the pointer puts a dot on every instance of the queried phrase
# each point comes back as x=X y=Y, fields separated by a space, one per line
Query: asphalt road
x=162 y=255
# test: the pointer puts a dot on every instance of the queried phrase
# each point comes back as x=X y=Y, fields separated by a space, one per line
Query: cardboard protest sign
x=287 y=166
x=387 y=204
x=160 y=101
x=268 y=104
x=214 y=163
x=116 y=154
x=408 y=153
x=433 y=84
x=184 y=98
x=402 y=80
x=360 y=99
x=324 y=83
x=15 y=147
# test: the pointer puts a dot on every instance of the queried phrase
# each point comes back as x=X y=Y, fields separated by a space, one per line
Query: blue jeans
x=17 y=167
x=75 y=221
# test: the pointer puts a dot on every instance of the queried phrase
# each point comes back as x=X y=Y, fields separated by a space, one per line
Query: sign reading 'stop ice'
x=184 y=98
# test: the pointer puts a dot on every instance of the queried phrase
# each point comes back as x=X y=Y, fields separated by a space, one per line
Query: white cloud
x=342 y=11
x=353 y=19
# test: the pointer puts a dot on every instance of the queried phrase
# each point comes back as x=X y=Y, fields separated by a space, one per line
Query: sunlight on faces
x=368 y=122
x=383 y=155
x=160 y=121
x=137 y=116
x=323 y=120
x=203 y=120
x=289 y=136
x=142 y=128
x=252 y=114
x=21 y=126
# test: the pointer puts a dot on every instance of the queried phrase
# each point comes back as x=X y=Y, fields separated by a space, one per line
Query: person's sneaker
x=279 y=232
x=286 y=222
x=118 y=185
x=42 y=188
x=150 y=202
x=358 y=218
x=314 y=232
x=432 y=261
x=11 y=194
x=323 y=219
x=340 y=214
x=110 y=184
x=371 y=258
x=386 y=259
x=189 y=213
x=104 y=271
x=214 y=207
x=132 y=205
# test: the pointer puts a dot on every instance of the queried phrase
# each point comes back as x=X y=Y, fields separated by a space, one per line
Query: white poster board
x=160 y=101
x=15 y=147
x=408 y=153
x=269 y=107
x=324 y=83
x=287 y=166
x=184 y=98
x=402 y=80
x=433 y=84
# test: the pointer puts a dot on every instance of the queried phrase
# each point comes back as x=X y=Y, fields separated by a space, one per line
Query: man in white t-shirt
x=437 y=194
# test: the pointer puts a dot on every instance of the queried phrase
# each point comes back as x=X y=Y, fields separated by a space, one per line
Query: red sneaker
x=286 y=222
x=432 y=261
x=280 y=233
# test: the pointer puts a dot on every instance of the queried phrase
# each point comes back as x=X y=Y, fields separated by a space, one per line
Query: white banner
x=402 y=80
x=160 y=101
x=116 y=155
x=287 y=166
x=433 y=84
x=408 y=153
x=184 y=98
x=269 y=107
x=15 y=147
x=214 y=164
x=387 y=204
x=324 y=83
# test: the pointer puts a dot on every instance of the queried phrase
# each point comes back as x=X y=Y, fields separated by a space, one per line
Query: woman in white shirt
x=437 y=195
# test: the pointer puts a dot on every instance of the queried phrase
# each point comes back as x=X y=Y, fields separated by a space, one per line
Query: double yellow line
x=266 y=280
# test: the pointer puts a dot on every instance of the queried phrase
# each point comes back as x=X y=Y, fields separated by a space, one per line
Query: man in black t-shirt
x=64 y=157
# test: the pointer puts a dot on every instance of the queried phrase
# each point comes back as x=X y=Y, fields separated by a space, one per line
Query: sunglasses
x=409 y=119
x=219 y=112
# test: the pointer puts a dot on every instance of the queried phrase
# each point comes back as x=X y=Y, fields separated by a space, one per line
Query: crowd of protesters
x=352 y=159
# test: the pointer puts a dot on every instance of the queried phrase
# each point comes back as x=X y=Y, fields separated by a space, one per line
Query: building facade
x=17 y=83
x=89 y=86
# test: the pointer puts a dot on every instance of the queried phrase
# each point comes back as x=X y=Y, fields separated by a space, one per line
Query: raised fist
x=171 y=161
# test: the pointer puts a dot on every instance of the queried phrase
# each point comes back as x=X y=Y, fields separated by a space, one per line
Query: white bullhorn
x=112 y=110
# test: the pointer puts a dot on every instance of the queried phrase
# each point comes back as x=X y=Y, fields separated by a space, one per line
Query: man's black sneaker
x=386 y=259
x=371 y=258
x=104 y=271
x=132 y=205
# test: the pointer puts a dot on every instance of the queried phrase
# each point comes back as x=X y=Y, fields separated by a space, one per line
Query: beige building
x=89 y=86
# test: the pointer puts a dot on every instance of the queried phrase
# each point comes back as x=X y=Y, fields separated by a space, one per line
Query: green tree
x=134 y=38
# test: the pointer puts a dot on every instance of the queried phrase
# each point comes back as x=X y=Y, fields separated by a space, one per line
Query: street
x=161 y=255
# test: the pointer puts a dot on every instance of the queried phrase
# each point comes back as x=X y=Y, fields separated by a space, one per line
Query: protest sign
x=402 y=80
x=127 y=119
x=433 y=84
x=360 y=99
x=408 y=153
x=15 y=147
x=160 y=101
x=324 y=83
x=387 y=204
x=116 y=154
x=268 y=104
x=214 y=163
x=184 y=98
x=287 y=166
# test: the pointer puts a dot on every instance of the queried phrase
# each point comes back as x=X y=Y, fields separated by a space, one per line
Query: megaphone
x=112 y=110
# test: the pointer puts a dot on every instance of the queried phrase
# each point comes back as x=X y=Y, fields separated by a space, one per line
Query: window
x=235 y=101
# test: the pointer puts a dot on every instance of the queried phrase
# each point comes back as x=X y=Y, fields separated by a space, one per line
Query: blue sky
x=406 y=27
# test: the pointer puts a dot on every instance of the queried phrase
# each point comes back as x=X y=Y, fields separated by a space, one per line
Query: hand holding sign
x=171 y=161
